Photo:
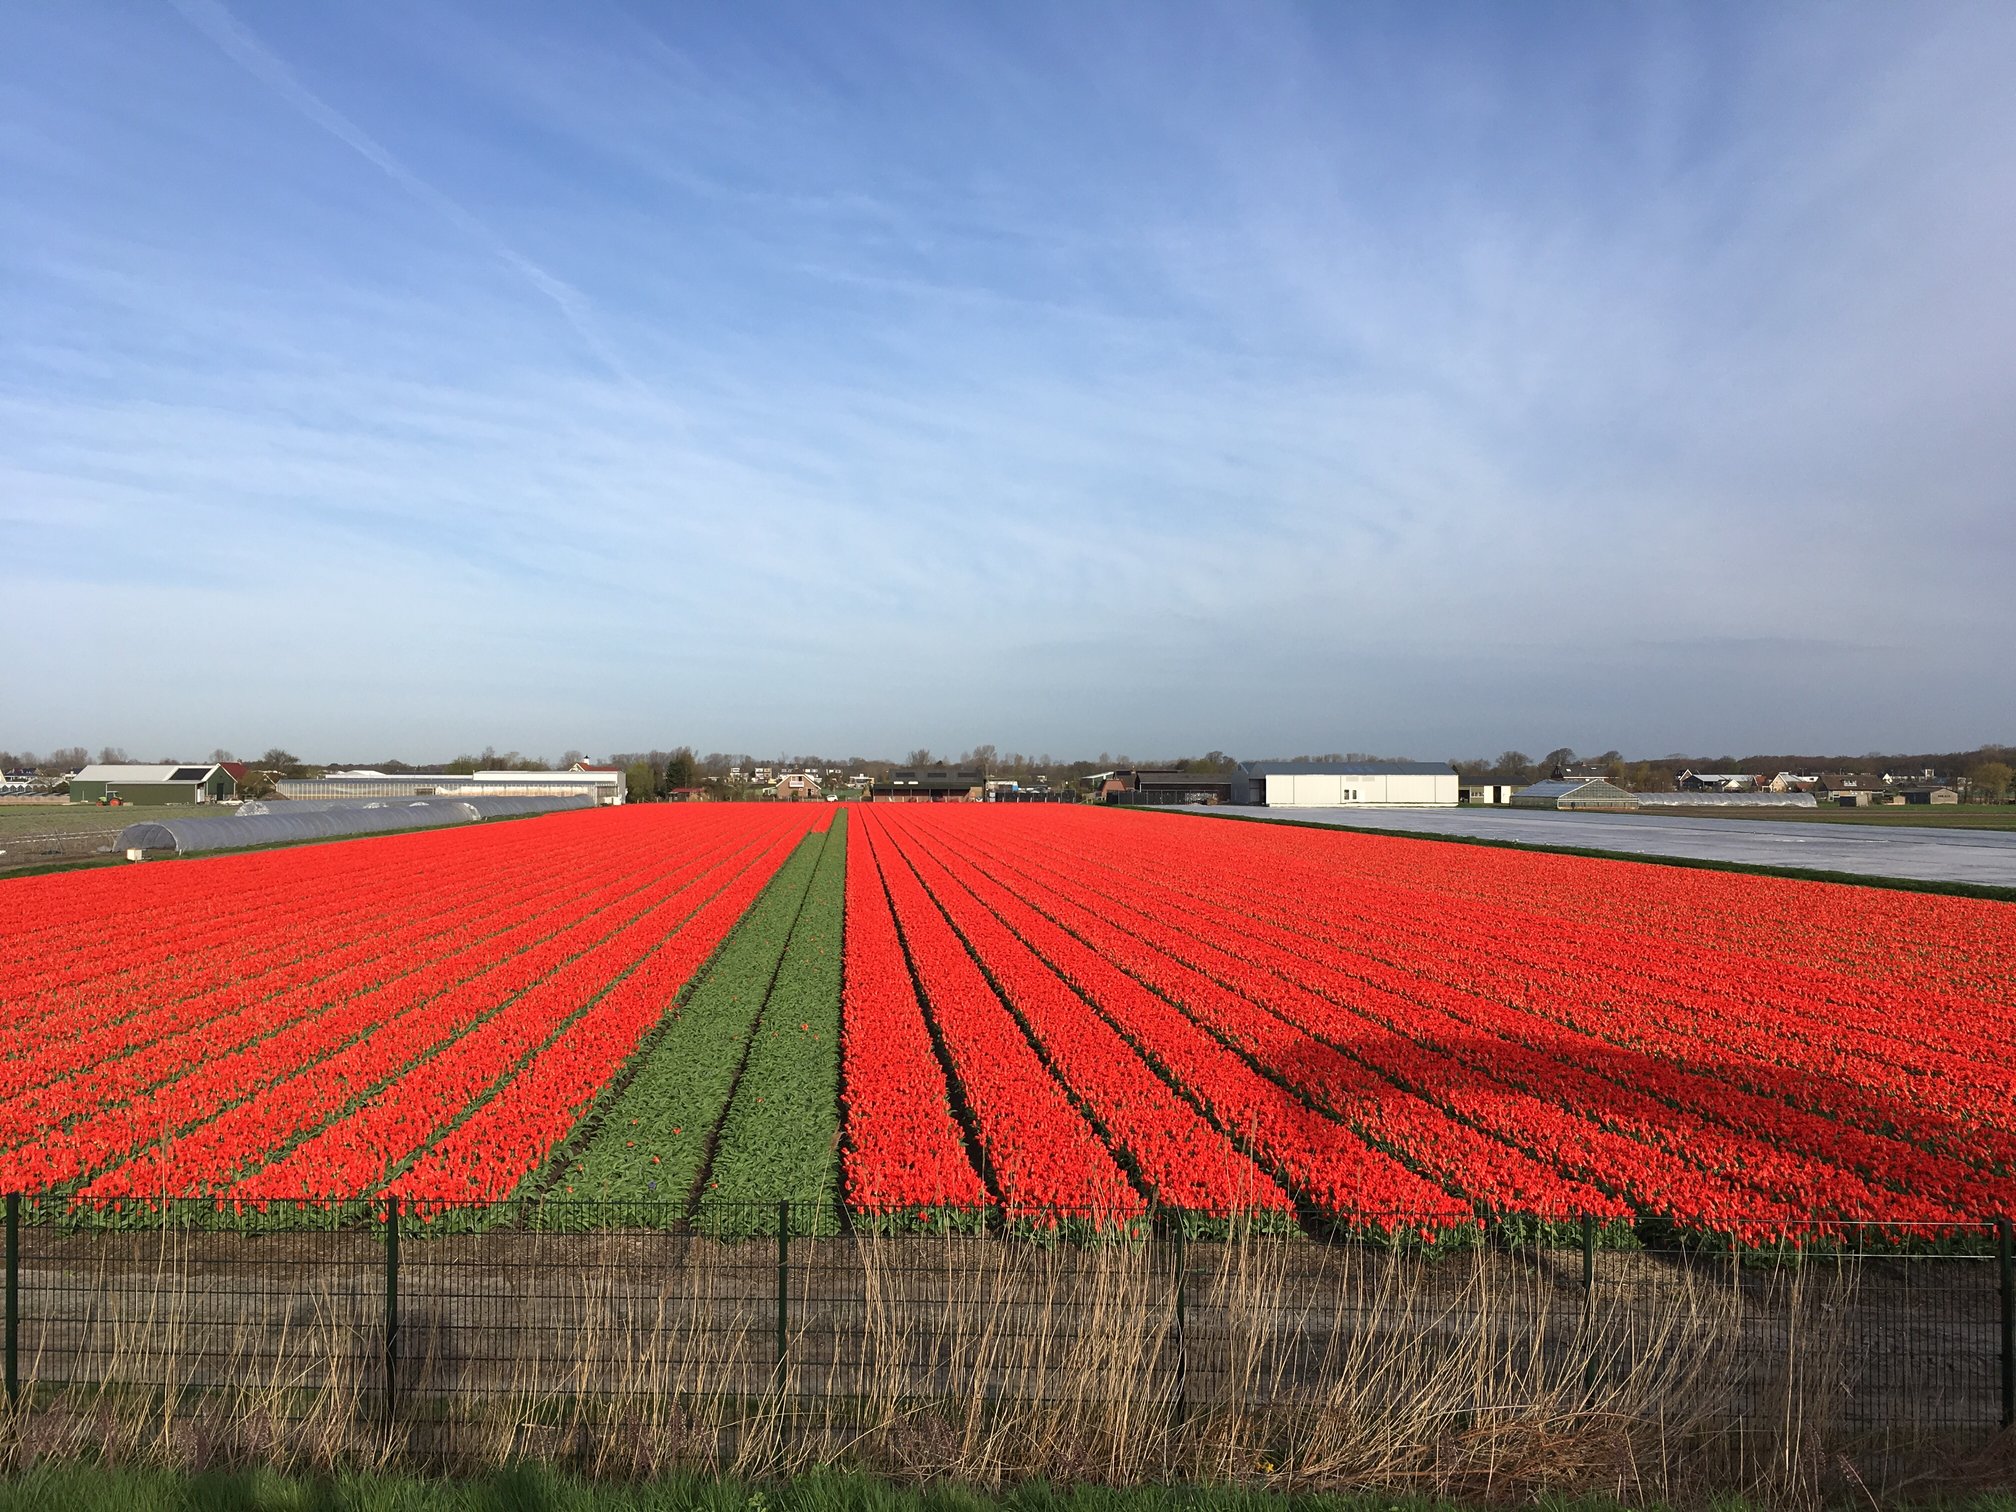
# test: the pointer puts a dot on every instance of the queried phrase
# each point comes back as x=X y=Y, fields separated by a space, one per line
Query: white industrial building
x=605 y=784
x=1344 y=784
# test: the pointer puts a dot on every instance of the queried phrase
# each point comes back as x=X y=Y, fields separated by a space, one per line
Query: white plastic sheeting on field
x=280 y=824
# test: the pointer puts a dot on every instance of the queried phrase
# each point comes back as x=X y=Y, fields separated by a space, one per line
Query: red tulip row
x=1043 y=1158
x=1223 y=1030
x=1896 y=944
x=1578 y=1071
x=1183 y=1161
x=1866 y=1104
x=1873 y=1040
x=93 y=1066
x=88 y=961
x=490 y=983
x=263 y=1024
x=1793 y=1170
x=371 y=1143
x=222 y=1119
x=905 y=1153
x=513 y=1134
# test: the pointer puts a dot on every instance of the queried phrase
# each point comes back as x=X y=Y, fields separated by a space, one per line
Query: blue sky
x=1417 y=379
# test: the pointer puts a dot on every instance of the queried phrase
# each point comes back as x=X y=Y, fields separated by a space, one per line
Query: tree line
x=1987 y=773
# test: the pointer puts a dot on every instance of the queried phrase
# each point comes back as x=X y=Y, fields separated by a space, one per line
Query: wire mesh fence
x=611 y=1332
x=49 y=850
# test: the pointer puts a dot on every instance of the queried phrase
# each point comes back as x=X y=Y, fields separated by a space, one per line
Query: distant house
x=1923 y=777
x=1588 y=794
x=931 y=785
x=1849 y=789
x=1718 y=782
x=1343 y=784
x=165 y=782
x=796 y=786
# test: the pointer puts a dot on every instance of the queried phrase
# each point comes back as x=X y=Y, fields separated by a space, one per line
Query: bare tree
x=1989 y=782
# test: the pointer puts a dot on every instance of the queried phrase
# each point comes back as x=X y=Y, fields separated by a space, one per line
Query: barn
x=166 y=782
x=931 y=785
x=1343 y=784
x=1164 y=786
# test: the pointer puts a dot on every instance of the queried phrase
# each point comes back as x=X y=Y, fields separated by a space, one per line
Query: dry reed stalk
x=1483 y=1373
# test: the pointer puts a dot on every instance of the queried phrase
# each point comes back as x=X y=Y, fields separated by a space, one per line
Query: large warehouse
x=605 y=784
x=166 y=782
x=1343 y=784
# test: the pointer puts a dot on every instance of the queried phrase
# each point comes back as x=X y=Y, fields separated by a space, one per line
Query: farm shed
x=1935 y=793
x=1343 y=784
x=1576 y=793
x=1487 y=792
x=166 y=782
x=1158 y=786
x=931 y=785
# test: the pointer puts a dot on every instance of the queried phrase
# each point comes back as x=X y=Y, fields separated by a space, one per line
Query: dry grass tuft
x=1480 y=1375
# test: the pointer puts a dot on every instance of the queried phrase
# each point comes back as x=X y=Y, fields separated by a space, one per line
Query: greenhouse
x=289 y=823
x=1575 y=793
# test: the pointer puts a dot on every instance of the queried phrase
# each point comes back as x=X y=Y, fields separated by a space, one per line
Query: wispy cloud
x=217 y=23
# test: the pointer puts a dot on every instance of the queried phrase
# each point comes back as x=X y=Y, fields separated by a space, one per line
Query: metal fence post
x=1588 y=1305
x=13 y=1298
x=391 y=1311
x=2007 y=1265
x=783 y=1280
x=1182 y=1342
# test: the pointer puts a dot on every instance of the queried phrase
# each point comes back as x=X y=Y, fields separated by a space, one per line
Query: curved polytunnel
x=284 y=823
x=186 y=836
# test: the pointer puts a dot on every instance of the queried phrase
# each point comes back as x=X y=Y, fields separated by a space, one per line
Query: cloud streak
x=217 y=23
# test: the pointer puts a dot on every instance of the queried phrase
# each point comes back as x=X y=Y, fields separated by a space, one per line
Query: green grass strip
x=652 y=1142
x=536 y=1488
x=780 y=1141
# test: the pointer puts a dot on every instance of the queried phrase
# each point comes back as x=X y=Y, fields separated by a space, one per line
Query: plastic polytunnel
x=504 y=806
x=283 y=824
x=1727 y=800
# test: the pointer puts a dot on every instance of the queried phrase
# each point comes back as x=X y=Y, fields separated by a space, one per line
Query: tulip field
x=974 y=1014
